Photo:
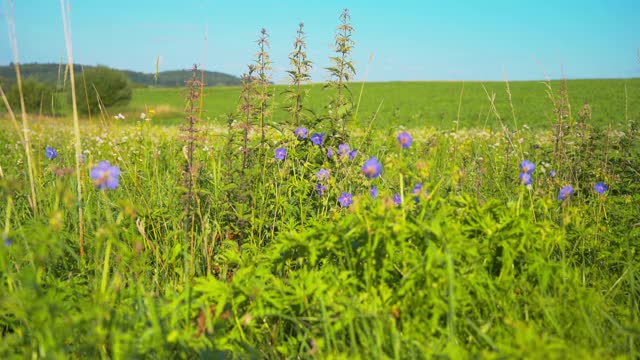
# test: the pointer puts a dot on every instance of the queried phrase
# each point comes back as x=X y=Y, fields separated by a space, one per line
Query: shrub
x=38 y=97
x=103 y=85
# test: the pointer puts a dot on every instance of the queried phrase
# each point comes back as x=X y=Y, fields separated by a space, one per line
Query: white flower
x=119 y=116
x=143 y=116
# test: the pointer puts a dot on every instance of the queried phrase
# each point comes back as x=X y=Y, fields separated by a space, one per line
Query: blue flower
x=320 y=189
x=397 y=199
x=371 y=168
x=8 y=242
x=374 y=192
x=330 y=153
x=404 y=139
x=105 y=176
x=353 y=154
x=552 y=173
x=301 y=132
x=317 y=139
x=323 y=174
x=343 y=149
x=527 y=166
x=281 y=153
x=601 y=187
x=51 y=153
x=565 y=192
x=416 y=192
x=345 y=199
x=525 y=178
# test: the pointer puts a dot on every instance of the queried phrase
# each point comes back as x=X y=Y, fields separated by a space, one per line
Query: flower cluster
x=527 y=168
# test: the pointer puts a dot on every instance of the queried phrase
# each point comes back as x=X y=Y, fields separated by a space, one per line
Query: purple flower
x=397 y=199
x=343 y=149
x=323 y=174
x=374 y=192
x=417 y=189
x=320 y=189
x=8 y=242
x=601 y=187
x=105 y=176
x=565 y=192
x=353 y=154
x=404 y=139
x=281 y=153
x=317 y=139
x=82 y=159
x=525 y=178
x=301 y=132
x=345 y=199
x=51 y=153
x=371 y=168
x=330 y=153
x=527 y=166
x=552 y=173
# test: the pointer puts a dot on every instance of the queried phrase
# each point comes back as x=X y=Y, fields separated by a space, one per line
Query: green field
x=159 y=238
x=420 y=104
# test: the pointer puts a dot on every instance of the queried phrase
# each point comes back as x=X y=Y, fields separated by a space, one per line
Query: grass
x=476 y=265
x=198 y=241
x=420 y=104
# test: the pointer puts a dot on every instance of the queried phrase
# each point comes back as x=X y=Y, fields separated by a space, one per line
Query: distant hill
x=54 y=74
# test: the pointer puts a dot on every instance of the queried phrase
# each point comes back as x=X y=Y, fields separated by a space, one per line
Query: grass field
x=456 y=244
x=420 y=104
x=412 y=220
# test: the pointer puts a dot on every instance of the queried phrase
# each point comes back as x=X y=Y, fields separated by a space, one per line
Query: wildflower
x=317 y=139
x=143 y=116
x=345 y=199
x=301 y=132
x=323 y=174
x=353 y=154
x=371 y=168
x=525 y=178
x=374 y=192
x=565 y=192
x=404 y=139
x=51 y=153
x=119 y=116
x=320 y=189
x=343 y=149
x=601 y=187
x=552 y=173
x=397 y=199
x=527 y=166
x=416 y=192
x=8 y=242
x=105 y=176
x=281 y=153
x=330 y=153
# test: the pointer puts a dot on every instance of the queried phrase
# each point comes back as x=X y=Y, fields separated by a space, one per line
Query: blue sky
x=410 y=40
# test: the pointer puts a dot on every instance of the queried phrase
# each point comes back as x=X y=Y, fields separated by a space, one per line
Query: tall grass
x=444 y=252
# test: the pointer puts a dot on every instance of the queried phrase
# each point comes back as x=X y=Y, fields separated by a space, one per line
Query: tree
x=38 y=97
x=104 y=86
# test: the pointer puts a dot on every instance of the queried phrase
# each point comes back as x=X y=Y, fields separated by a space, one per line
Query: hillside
x=54 y=74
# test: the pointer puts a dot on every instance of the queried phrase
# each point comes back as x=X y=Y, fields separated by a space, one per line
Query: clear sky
x=410 y=40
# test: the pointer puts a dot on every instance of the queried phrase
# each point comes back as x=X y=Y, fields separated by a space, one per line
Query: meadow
x=220 y=223
x=427 y=104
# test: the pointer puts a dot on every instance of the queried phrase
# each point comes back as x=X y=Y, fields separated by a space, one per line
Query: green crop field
x=430 y=104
